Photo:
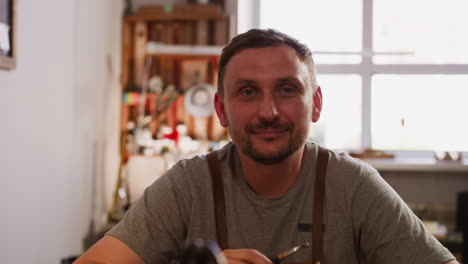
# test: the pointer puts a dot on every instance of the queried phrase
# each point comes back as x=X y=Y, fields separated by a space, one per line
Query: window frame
x=249 y=10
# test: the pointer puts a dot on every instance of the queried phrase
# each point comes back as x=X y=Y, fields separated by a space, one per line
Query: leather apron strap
x=218 y=197
x=318 y=226
x=319 y=199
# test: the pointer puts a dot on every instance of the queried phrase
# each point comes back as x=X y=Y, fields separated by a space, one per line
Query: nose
x=268 y=109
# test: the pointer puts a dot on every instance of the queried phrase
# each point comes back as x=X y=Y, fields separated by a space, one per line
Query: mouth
x=269 y=133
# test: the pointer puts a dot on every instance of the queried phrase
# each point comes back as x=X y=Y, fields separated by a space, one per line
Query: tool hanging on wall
x=121 y=196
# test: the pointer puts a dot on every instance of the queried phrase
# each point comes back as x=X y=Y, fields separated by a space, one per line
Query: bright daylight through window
x=394 y=74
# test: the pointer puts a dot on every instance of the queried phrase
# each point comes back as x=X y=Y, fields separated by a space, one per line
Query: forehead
x=266 y=63
x=281 y=53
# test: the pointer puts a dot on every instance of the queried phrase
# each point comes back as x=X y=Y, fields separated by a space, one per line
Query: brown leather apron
x=319 y=197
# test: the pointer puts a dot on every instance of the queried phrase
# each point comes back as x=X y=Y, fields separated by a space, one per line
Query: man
x=267 y=96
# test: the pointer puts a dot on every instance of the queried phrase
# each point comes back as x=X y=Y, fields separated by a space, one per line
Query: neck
x=272 y=180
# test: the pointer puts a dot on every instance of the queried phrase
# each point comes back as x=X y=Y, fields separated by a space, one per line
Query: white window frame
x=249 y=17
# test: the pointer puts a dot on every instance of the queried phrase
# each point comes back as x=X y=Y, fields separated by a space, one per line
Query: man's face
x=267 y=103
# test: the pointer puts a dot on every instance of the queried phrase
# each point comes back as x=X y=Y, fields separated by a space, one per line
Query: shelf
x=418 y=164
x=171 y=17
x=181 y=45
x=178 y=12
x=153 y=48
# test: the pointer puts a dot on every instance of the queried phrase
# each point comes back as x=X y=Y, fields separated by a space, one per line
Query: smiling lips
x=269 y=133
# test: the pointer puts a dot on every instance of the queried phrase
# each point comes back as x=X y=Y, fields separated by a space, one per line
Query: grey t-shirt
x=365 y=220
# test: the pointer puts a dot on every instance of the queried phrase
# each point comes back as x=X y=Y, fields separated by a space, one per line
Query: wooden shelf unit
x=183 y=35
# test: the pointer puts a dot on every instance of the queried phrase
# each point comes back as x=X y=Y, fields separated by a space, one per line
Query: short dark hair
x=262 y=38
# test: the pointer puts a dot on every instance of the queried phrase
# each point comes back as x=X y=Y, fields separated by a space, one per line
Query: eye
x=287 y=90
x=248 y=92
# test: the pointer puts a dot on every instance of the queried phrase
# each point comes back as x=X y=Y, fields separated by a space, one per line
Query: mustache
x=267 y=126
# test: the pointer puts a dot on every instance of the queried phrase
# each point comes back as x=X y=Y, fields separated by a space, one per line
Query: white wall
x=59 y=118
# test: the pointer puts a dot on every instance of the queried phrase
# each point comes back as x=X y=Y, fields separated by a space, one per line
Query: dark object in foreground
x=462 y=222
x=199 y=251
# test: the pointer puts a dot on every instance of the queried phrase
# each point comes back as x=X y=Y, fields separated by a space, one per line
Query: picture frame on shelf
x=8 y=34
x=193 y=72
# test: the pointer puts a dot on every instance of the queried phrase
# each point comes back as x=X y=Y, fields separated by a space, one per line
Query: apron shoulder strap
x=319 y=201
x=218 y=198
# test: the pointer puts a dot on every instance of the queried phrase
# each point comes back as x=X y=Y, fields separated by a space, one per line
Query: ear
x=219 y=107
x=317 y=107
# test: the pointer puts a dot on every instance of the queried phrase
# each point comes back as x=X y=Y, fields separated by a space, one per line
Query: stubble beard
x=245 y=143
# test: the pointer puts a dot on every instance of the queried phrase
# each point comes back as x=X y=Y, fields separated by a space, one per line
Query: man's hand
x=245 y=256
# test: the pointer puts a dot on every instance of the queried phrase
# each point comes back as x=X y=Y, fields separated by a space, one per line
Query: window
x=431 y=113
x=340 y=122
x=394 y=74
x=306 y=21
x=421 y=31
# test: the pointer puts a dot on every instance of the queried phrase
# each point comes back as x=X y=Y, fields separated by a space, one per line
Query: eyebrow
x=279 y=80
x=288 y=79
x=244 y=82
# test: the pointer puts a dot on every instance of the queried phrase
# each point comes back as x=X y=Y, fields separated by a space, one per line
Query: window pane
x=339 y=126
x=420 y=112
x=325 y=26
x=434 y=31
